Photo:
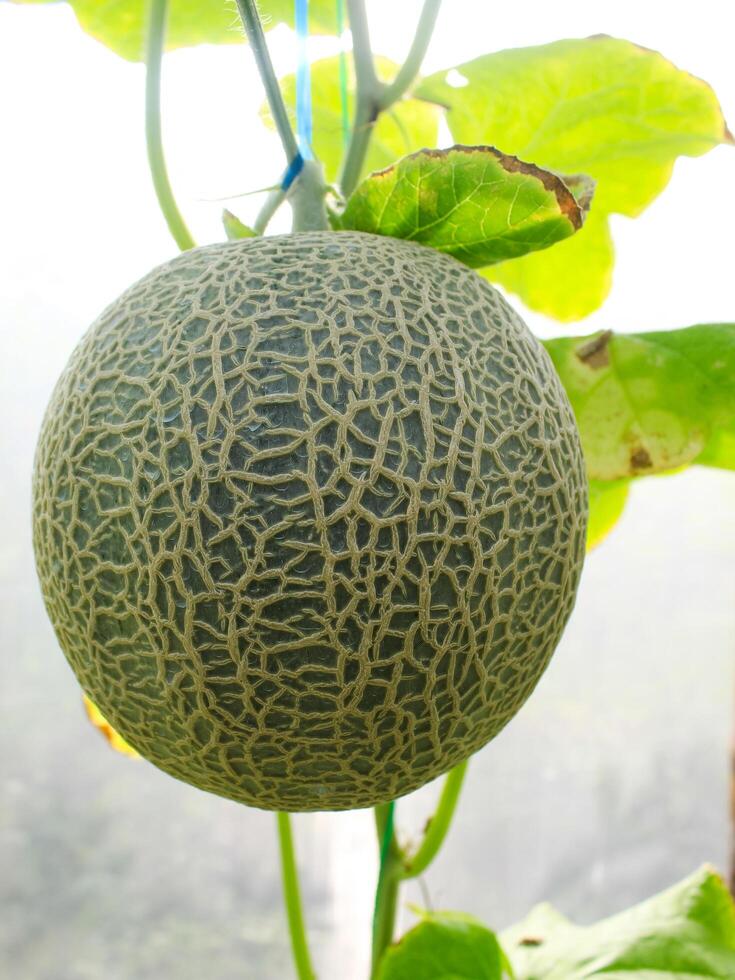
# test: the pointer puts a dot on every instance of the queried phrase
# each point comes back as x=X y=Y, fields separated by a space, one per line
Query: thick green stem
x=366 y=114
x=367 y=97
x=306 y=197
x=381 y=823
x=386 y=907
x=256 y=37
x=292 y=899
x=362 y=52
x=400 y=866
x=373 y=96
x=155 y=33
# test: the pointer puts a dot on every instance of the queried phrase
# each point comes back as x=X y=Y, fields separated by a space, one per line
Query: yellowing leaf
x=120 y=24
x=651 y=402
x=602 y=106
x=546 y=281
x=607 y=500
x=99 y=721
x=472 y=202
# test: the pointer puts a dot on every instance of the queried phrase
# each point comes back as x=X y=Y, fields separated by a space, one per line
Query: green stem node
x=399 y=866
x=373 y=96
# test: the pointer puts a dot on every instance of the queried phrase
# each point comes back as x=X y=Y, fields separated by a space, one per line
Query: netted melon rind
x=309 y=517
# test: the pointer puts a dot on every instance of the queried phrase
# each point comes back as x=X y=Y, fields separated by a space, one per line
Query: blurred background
x=611 y=784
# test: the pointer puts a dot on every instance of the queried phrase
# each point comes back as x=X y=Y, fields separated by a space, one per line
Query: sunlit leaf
x=409 y=125
x=546 y=281
x=120 y=24
x=99 y=721
x=685 y=932
x=719 y=451
x=649 y=402
x=607 y=501
x=601 y=106
x=444 y=946
x=472 y=202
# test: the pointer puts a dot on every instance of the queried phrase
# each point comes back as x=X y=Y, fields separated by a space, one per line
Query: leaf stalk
x=154 y=40
x=292 y=897
x=256 y=37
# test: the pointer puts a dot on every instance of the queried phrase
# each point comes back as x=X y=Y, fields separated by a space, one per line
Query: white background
x=610 y=784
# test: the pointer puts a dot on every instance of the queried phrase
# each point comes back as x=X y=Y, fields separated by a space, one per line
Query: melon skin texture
x=309 y=517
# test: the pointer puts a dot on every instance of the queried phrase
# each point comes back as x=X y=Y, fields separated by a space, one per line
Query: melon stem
x=254 y=31
x=438 y=825
x=307 y=198
x=154 y=41
x=292 y=898
x=400 y=865
x=373 y=97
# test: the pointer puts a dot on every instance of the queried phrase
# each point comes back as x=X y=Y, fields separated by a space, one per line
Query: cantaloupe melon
x=309 y=517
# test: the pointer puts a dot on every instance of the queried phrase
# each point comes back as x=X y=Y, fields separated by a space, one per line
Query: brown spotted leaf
x=472 y=202
x=650 y=402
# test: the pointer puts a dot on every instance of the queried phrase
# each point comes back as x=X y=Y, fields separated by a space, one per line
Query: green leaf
x=234 y=228
x=547 y=282
x=600 y=105
x=650 y=402
x=719 y=451
x=120 y=24
x=444 y=946
x=472 y=202
x=409 y=125
x=684 y=933
x=607 y=501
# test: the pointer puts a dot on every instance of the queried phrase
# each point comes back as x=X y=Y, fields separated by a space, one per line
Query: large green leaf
x=120 y=24
x=548 y=281
x=444 y=946
x=409 y=125
x=650 y=402
x=719 y=451
x=472 y=202
x=684 y=933
x=601 y=105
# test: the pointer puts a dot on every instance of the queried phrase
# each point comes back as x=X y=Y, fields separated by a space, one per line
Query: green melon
x=309 y=517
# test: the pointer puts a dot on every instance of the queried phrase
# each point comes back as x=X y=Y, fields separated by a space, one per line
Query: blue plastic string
x=292 y=171
x=303 y=81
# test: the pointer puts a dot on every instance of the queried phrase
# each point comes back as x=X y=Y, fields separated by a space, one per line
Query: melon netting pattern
x=309 y=517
